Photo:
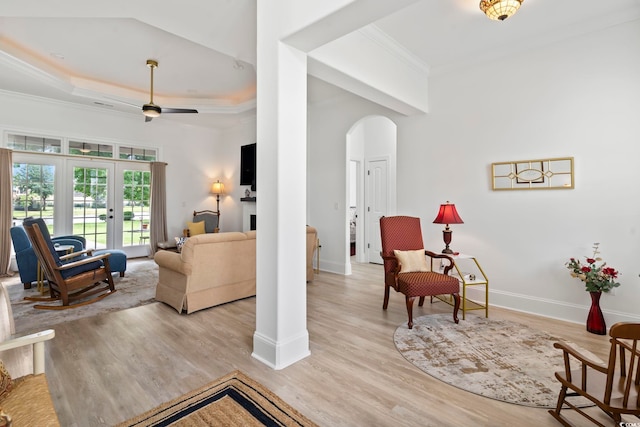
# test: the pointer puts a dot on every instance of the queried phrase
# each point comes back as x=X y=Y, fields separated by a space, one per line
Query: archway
x=371 y=162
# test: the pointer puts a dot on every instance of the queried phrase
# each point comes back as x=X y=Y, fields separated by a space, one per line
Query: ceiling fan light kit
x=499 y=10
x=152 y=110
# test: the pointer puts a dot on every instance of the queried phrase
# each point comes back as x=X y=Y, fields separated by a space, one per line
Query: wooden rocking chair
x=614 y=386
x=72 y=277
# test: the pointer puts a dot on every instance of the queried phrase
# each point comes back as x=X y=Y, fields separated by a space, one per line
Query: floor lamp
x=217 y=188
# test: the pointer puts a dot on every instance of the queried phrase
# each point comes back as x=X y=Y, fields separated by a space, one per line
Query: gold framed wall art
x=536 y=174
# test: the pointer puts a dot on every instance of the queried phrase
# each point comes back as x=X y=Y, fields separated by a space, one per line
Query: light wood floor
x=109 y=368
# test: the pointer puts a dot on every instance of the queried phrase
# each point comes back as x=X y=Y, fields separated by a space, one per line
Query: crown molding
x=382 y=39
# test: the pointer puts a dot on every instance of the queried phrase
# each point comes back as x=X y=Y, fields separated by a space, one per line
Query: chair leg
x=556 y=412
x=386 y=297
x=456 y=299
x=410 y=310
x=421 y=301
x=27 y=285
x=109 y=279
x=122 y=274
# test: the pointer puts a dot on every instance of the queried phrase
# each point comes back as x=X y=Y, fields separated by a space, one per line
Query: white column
x=286 y=31
x=281 y=336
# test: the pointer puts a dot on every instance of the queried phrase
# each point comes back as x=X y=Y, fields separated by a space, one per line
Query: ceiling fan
x=152 y=110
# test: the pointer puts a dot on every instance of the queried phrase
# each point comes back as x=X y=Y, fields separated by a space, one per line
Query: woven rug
x=234 y=400
x=137 y=288
x=498 y=359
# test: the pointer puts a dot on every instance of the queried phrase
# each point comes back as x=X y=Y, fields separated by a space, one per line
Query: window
x=90 y=149
x=34 y=143
x=33 y=192
x=132 y=153
x=42 y=144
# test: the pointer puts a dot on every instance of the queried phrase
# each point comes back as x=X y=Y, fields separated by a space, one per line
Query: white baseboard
x=333 y=267
x=575 y=313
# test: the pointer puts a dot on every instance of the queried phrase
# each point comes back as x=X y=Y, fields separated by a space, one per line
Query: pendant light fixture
x=499 y=10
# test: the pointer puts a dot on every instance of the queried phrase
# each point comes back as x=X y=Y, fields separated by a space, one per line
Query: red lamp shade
x=447 y=215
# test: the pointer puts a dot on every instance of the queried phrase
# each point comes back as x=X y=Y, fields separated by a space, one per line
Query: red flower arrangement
x=596 y=278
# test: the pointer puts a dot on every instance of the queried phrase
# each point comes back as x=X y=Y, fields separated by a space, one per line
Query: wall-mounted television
x=248 y=165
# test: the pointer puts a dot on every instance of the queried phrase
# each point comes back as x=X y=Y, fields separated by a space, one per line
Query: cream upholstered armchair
x=24 y=392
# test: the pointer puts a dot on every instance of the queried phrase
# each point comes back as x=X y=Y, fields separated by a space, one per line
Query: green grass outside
x=95 y=229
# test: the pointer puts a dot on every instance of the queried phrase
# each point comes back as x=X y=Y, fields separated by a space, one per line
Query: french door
x=93 y=202
x=110 y=204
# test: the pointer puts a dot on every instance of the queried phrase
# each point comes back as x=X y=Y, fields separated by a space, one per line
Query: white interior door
x=377 y=206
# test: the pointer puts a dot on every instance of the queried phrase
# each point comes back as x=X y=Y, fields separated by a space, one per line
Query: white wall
x=329 y=124
x=577 y=98
x=372 y=138
x=189 y=151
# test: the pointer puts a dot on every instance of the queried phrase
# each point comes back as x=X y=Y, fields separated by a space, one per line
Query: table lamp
x=447 y=215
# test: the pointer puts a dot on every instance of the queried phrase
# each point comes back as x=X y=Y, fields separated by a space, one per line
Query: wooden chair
x=28 y=402
x=73 y=280
x=403 y=233
x=613 y=387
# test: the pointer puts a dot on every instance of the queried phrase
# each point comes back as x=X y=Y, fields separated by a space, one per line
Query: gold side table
x=468 y=271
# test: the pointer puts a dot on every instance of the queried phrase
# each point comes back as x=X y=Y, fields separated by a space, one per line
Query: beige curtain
x=6 y=209
x=158 y=232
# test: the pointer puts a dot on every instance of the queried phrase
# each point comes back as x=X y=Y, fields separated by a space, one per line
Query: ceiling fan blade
x=178 y=110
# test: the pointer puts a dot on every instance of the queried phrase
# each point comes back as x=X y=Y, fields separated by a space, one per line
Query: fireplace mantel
x=248 y=211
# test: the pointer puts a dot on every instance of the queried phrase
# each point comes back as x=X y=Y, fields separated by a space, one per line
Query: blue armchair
x=26 y=257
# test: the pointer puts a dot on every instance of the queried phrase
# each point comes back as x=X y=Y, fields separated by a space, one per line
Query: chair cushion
x=29 y=403
x=195 y=228
x=412 y=261
x=47 y=237
x=74 y=271
x=419 y=284
x=6 y=383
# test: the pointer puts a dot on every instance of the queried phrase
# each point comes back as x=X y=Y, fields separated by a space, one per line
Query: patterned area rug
x=137 y=288
x=234 y=400
x=498 y=359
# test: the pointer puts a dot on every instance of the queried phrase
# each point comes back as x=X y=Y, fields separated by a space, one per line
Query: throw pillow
x=195 y=228
x=180 y=241
x=411 y=261
x=6 y=383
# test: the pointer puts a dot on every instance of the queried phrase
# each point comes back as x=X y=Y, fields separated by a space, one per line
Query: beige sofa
x=211 y=269
x=214 y=269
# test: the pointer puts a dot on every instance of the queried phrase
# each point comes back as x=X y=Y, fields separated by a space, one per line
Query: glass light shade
x=217 y=188
x=499 y=10
x=448 y=215
x=151 y=110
